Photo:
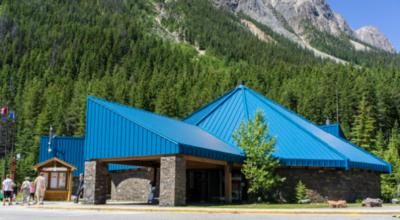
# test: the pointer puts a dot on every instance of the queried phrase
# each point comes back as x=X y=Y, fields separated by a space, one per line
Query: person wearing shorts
x=7 y=190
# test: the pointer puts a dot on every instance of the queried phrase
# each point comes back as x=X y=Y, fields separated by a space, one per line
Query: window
x=57 y=180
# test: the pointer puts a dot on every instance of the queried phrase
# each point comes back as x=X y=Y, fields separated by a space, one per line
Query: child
x=32 y=190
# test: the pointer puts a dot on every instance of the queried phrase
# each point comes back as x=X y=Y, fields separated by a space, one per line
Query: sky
x=383 y=14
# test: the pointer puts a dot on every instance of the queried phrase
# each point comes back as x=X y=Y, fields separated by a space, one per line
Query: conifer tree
x=363 y=130
x=391 y=182
x=379 y=147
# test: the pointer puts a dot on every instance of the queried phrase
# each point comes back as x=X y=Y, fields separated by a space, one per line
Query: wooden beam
x=138 y=163
x=205 y=160
x=228 y=183
x=125 y=159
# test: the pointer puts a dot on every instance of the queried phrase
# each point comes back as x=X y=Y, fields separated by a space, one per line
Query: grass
x=278 y=206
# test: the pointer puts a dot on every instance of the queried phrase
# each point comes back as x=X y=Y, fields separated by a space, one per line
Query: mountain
x=298 y=19
x=373 y=36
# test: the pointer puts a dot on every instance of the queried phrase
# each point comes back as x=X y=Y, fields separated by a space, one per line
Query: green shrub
x=301 y=191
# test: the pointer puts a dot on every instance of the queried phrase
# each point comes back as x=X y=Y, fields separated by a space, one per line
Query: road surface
x=20 y=213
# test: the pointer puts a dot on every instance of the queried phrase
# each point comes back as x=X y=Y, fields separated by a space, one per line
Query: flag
x=11 y=115
x=4 y=110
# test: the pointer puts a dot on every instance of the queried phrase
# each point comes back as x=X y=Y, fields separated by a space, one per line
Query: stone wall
x=172 y=181
x=331 y=184
x=132 y=185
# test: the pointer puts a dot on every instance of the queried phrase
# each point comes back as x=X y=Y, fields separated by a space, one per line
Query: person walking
x=7 y=190
x=25 y=190
x=41 y=185
x=32 y=190
x=81 y=187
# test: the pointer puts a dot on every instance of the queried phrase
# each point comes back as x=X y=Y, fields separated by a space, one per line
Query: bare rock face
x=315 y=12
x=290 y=18
x=374 y=37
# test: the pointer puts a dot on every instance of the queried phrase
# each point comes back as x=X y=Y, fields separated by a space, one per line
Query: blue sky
x=383 y=14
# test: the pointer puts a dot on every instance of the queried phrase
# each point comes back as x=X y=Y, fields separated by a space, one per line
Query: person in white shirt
x=7 y=189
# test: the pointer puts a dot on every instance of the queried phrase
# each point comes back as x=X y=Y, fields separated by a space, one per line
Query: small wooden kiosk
x=58 y=174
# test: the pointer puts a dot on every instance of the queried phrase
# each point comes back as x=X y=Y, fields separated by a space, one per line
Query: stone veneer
x=132 y=185
x=96 y=182
x=331 y=184
x=172 y=181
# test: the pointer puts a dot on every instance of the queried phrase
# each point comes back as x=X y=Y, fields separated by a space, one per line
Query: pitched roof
x=299 y=141
x=130 y=131
x=53 y=160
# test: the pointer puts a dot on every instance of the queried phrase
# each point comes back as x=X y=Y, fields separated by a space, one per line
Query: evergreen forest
x=174 y=57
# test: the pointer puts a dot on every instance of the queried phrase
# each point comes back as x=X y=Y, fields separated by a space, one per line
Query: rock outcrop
x=291 y=19
x=372 y=36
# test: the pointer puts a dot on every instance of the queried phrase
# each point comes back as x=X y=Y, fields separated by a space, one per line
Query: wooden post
x=69 y=185
x=228 y=183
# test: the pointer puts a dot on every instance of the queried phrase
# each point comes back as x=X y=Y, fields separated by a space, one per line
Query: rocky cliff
x=291 y=18
x=371 y=35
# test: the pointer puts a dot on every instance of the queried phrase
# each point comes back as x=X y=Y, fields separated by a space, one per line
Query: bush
x=301 y=191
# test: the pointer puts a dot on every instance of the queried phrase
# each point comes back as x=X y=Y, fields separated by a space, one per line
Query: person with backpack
x=25 y=190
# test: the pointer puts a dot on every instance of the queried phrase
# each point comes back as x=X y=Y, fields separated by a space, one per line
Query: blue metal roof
x=114 y=130
x=68 y=149
x=299 y=141
x=333 y=129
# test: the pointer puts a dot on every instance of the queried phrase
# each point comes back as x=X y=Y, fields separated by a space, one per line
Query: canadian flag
x=4 y=110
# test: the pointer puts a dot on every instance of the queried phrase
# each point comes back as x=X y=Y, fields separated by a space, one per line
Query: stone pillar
x=172 y=181
x=228 y=183
x=96 y=182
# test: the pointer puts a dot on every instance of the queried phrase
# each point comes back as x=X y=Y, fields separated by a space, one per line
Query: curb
x=224 y=211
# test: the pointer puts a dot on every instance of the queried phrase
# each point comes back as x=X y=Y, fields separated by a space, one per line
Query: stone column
x=96 y=182
x=172 y=181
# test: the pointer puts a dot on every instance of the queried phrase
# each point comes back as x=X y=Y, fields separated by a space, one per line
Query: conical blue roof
x=299 y=142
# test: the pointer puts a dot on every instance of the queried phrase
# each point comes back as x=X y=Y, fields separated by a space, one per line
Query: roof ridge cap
x=295 y=123
x=243 y=88
x=224 y=97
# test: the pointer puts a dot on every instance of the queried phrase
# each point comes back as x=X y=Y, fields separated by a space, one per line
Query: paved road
x=18 y=213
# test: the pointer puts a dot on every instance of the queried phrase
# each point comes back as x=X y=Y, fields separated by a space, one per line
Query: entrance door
x=204 y=186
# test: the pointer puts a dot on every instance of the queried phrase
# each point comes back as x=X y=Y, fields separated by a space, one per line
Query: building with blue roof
x=196 y=159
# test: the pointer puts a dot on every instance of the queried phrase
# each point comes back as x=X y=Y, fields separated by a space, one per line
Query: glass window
x=62 y=178
x=54 y=180
x=58 y=180
x=46 y=178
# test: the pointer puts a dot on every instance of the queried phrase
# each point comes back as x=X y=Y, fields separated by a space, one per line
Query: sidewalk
x=387 y=210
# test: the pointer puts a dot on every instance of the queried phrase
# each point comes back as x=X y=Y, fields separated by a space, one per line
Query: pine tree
x=379 y=144
x=166 y=103
x=364 y=126
x=391 y=182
